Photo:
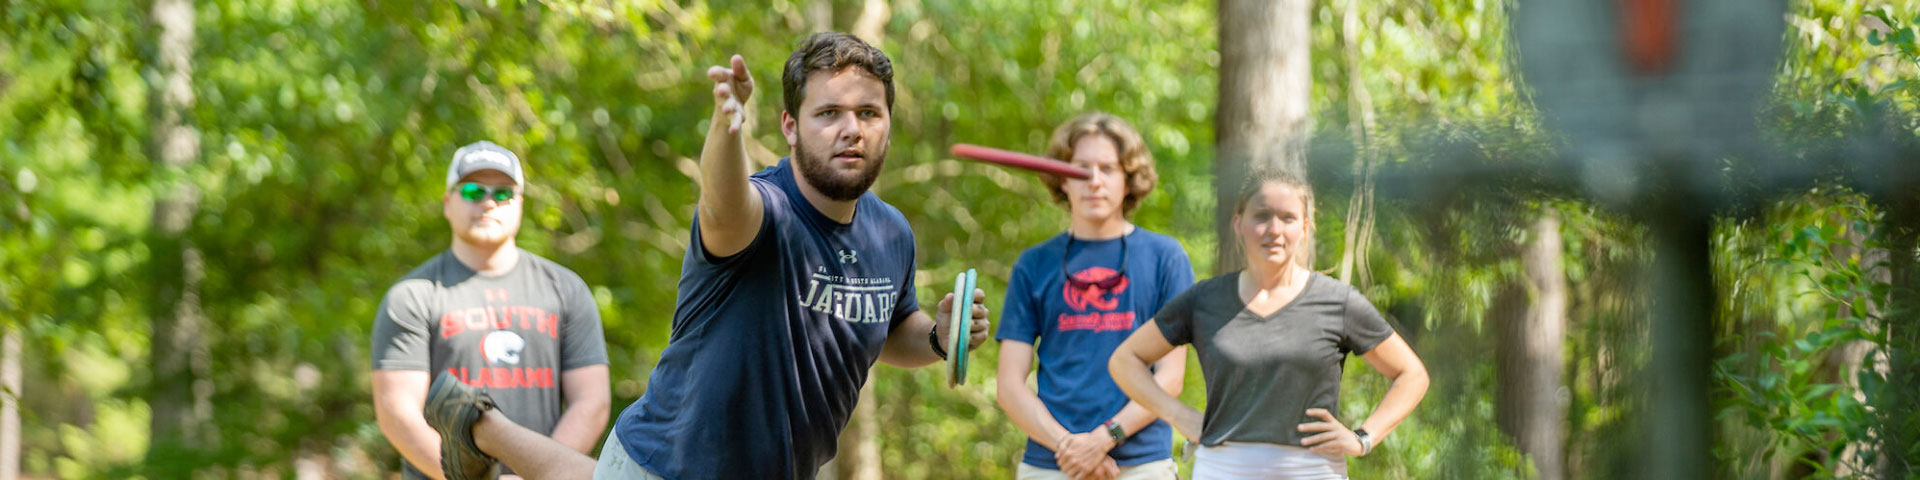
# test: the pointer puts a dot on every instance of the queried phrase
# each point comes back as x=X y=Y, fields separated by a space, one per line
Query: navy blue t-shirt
x=771 y=345
x=1078 y=329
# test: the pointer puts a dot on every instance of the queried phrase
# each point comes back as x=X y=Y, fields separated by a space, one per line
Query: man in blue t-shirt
x=1076 y=297
x=797 y=279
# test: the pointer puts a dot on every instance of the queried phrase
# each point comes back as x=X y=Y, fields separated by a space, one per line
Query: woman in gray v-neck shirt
x=1272 y=341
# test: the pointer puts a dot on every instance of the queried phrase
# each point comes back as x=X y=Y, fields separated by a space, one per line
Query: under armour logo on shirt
x=849 y=256
x=495 y=294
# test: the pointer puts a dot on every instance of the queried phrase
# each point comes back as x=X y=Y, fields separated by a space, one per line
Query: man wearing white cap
x=517 y=326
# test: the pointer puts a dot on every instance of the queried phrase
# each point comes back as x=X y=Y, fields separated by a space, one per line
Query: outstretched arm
x=730 y=208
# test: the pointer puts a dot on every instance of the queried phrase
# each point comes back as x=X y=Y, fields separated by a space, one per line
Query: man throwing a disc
x=797 y=279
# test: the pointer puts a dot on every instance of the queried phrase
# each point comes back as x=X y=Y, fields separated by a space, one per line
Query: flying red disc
x=1019 y=160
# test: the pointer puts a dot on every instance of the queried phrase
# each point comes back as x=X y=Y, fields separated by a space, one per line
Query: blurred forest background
x=202 y=202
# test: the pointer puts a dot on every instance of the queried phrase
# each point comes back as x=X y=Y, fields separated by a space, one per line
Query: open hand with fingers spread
x=732 y=86
x=1330 y=437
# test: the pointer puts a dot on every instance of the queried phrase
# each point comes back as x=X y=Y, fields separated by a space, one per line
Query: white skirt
x=1249 y=461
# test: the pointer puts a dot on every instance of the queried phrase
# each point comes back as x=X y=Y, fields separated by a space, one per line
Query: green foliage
x=1804 y=368
x=1803 y=357
x=1849 y=63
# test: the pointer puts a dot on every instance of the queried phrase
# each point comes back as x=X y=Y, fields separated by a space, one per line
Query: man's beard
x=835 y=183
x=475 y=235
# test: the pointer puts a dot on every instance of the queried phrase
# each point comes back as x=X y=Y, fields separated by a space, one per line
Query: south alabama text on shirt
x=851 y=299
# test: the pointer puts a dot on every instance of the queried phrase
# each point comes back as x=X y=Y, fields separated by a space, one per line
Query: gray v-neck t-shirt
x=1264 y=372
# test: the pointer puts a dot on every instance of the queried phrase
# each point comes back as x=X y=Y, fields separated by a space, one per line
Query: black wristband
x=933 y=338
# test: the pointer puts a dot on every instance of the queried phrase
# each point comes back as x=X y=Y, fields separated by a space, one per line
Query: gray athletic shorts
x=615 y=464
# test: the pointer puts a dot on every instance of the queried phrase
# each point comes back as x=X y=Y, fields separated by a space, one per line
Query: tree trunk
x=1900 y=409
x=181 y=397
x=10 y=404
x=859 y=457
x=1265 y=78
x=872 y=24
x=819 y=16
x=1353 y=257
x=1532 y=315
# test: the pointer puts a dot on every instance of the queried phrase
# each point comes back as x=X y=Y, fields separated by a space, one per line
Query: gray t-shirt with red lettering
x=509 y=335
x=1264 y=372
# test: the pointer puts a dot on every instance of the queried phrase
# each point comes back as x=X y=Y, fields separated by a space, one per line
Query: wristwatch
x=1118 y=432
x=933 y=338
x=1366 y=440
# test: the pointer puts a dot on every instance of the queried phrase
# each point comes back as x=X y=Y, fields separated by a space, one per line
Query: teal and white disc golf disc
x=959 y=326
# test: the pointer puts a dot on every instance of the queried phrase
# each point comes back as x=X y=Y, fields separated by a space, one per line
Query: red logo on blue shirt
x=1098 y=290
x=1087 y=291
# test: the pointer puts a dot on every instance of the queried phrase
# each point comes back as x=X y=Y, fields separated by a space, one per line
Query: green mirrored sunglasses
x=475 y=192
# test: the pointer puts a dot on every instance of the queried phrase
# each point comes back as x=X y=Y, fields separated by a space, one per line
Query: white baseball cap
x=484 y=155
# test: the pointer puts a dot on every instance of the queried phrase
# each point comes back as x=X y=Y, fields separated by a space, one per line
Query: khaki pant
x=1160 y=470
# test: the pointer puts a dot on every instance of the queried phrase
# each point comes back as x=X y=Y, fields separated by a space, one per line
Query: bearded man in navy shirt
x=797 y=279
